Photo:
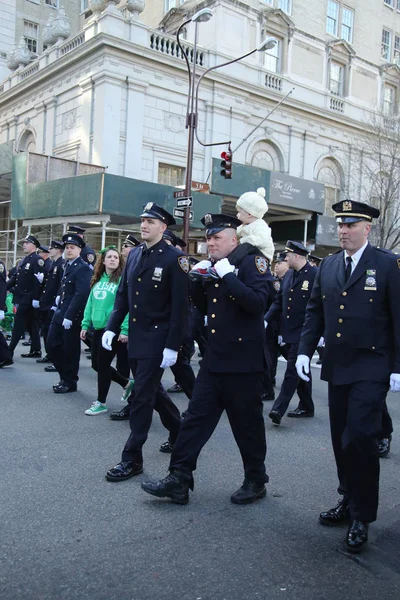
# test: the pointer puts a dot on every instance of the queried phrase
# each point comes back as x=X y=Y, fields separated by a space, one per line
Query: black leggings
x=101 y=363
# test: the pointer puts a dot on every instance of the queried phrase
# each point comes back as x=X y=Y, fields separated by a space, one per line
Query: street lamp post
x=193 y=99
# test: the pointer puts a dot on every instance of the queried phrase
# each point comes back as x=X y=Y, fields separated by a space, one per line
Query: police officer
x=26 y=286
x=231 y=373
x=354 y=304
x=314 y=261
x=5 y=354
x=44 y=253
x=289 y=308
x=129 y=242
x=47 y=304
x=154 y=290
x=63 y=340
x=87 y=252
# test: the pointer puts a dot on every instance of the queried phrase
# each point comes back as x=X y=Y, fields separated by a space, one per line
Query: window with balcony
x=336 y=79
x=332 y=17
x=347 y=24
x=389 y=100
x=386 y=46
x=273 y=58
x=170 y=175
x=31 y=35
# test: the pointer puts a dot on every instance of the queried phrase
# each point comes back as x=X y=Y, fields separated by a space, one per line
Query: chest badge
x=370 y=280
x=277 y=286
x=157 y=274
x=27 y=266
x=305 y=285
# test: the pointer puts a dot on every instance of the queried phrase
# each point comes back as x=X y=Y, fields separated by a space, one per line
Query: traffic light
x=226 y=164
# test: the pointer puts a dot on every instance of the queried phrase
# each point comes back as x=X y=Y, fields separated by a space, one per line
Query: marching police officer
x=154 y=290
x=44 y=253
x=26 y=286
x=5 y=354
x=47 y=304
x=231 y=373
x=87 y=252
x=129 y=242
x=354 y=304
x=63 y=340
x=289 y=307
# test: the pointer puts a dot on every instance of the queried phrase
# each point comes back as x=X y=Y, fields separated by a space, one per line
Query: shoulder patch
x=261 y=264
x=1 y=268
x=277 y=286
x=41 y=262
x=183 y=262
x=398 y=262
x=90 y=258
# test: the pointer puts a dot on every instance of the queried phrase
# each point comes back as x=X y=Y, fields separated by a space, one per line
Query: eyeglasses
x=126 y=246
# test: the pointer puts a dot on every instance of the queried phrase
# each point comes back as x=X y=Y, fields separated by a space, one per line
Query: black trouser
x=199 y=331
x=182 y=370
x=387 y=425
x=5 y=353
x=240 y=395
x=355 y=413
x=45 y=320
x=65 y=350
x=26 y=318
x=292 y=382
x=148 y=394
x=101 y=363
x=274 y=351
x=123 y=360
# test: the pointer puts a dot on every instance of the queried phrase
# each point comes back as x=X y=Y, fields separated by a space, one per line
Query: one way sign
x=180 y=213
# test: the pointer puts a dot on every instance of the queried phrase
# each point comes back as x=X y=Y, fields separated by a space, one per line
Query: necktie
x=348 y=269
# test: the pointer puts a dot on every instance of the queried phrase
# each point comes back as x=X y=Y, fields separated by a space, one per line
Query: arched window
x=330 y=173
x=27 y=142
x=265 y=155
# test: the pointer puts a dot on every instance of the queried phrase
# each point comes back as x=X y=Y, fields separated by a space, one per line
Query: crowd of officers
x=345 y=307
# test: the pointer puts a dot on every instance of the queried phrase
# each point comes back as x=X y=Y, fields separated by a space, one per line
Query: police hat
x=32 y=240
x=216 y=223
x=131 y=241
x=296 y=247
x=153 y=211
x=348 y=211
x=316 y=259
x=73 y=238
x=180 y=242
x=56 y=244
x=75 y=229
x=43 y=248
x=280 y=257
x=170 y=236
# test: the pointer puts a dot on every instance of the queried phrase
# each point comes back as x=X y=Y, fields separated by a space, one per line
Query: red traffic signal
x=226 y=164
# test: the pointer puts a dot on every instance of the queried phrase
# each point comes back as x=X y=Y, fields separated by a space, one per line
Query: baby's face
x=243 y=216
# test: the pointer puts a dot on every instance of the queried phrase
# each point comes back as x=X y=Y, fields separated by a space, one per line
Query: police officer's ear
x=163 y=226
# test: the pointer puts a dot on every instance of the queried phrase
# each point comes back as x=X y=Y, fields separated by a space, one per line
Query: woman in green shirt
x=104 y=284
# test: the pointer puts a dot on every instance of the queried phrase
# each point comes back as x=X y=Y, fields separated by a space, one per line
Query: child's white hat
x=254 y=203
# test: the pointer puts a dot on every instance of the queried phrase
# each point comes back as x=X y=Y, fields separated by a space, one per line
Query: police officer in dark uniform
x=289 y=309
x=87 y=252
x=129 y=242
x=355 y=305
x=44 y=253
x=52 y=284
x=154 y=290
x=5 y=354
x=63 y=340
x=231 y=373
x=26 y=286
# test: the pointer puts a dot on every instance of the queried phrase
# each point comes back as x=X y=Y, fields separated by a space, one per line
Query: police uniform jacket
x=235 y=307
x=360 y=319
x=89 y=256
x=154 y=290
x=74 y=292
x=3 y=286
x=291 y=301
x=48 y=263
x=23 y=284
x=52 y=284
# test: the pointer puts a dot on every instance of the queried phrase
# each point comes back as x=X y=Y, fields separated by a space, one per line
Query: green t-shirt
x=100 y=305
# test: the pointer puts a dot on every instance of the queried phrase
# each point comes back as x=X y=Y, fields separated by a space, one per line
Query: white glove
x=67 y=324
x=106 y=340
x=265 y=324
x=57 y=300
x=321 y=343
x=395 y=382
x=54 y=308
x=223 y=267
x=35 y=303
x=169 y=358
x=205 y=321
x=303 y=366
x=2 y=315
x=39 y=277
x=280 y=341
x=203 y=264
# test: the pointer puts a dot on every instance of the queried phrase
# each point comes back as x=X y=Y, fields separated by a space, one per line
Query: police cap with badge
x=280 y=257
x=32 y=240
x=348 y=211
x=76 y=229
x=296 y=248
x=73 y=238
x=130 y=240
x=43 y=248
x=57 y=245
x=153 y=211
x=216 y=223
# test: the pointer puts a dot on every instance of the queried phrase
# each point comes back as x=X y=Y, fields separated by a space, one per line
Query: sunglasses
x=127 y=246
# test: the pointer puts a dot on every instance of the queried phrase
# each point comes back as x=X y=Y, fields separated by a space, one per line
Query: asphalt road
x=66 y=533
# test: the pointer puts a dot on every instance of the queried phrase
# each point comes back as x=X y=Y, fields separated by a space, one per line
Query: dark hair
x=100 y=269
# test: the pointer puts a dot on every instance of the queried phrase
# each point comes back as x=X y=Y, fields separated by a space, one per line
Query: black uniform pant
x=64 y=346
x=387 y=424
x=148 y=394
x=45 y=320
x=182 y=370
x=199 y=330
x=240 y=395
x=5 y=353
x=355 y=413
x=26 y=318
x=123 y=360
x=292 y=382
x=101 y=363
x=274 y=351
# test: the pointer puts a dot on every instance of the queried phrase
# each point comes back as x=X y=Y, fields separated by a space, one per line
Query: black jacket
x=23 y=284
x=74 y=292
x=52 y=284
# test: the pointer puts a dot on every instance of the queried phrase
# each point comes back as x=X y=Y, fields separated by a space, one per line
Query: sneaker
x=97 y=408
x=127 y=391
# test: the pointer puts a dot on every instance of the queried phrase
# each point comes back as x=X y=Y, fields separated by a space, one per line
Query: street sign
x=184 y=202
x=197 y=186
x=180 y=213
x=180 y=194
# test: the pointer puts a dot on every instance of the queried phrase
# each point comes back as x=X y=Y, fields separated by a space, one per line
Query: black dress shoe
x=27 y=343
x=275 y=417
x=124 y=470
x=64 y=389
x=337 y=515
x=57 y=385
x=166 y=447
x=43 y=360
x=249 y=493
x=6 y=363
x=357 y=536
x=50 y=369
x=384 y=446
x=34 y=354
x=175 y=486
x=299 y=412
x=121 y=415
x=175 y=389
